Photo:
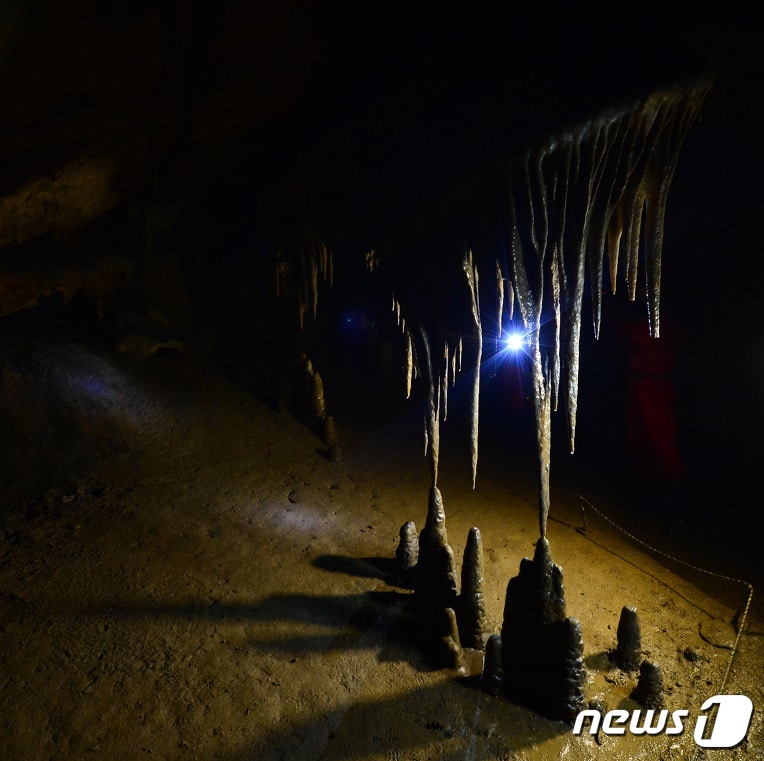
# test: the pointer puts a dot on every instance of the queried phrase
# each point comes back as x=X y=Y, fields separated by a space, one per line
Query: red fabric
x=651 y=402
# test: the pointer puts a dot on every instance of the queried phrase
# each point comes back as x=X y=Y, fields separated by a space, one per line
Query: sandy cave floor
x=184 y=574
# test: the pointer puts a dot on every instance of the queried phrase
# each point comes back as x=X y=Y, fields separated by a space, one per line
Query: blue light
x=514 y=342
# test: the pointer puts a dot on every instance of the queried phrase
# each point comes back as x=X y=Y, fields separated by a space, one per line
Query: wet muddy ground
x=185 y=574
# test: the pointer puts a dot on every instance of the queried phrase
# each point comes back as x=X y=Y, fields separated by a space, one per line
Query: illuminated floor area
x=184 y=574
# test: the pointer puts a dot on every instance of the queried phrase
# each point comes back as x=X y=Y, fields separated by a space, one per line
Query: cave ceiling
x=318 y=115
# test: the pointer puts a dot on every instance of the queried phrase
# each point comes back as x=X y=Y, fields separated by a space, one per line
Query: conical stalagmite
x=536 y=595
x=542 y=651
x=628 y=652
x=407 y=553
x=567 y=669
x=649 y=689
x=318 y=401
x=493 y=671
x=330 y=436
x=472 y=620
x=435 y=585
x=450 y=649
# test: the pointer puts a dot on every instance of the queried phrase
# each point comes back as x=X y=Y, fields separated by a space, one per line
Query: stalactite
x=314 y=286
x=444 y=384
x=323 y=259
x=614 y=233
x=555 y=381
x=557 y=208
x=499 y=298
x=432 y=415
x=281 y=278
x=473 y=281
x=542 y=405
x=409 y=364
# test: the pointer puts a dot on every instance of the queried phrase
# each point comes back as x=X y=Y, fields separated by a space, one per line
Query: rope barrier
x=742 y=621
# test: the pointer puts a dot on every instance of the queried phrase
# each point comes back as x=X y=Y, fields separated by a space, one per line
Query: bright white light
x=514 y=341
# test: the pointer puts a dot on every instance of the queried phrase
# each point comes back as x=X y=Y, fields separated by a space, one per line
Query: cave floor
x=185 y=574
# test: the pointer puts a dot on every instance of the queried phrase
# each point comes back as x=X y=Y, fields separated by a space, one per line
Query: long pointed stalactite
x=548 y=217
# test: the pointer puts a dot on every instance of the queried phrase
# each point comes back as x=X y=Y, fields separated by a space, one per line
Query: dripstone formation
x=537 y=661
x=472 y=621
x=493 y=672
x=649 y=689
x=628 y=652
x=435 y=586
x=542 y=649
x=407 y=553
x=451 y=654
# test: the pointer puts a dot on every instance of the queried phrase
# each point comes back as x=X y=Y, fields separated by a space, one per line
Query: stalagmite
x=330 y=436
x=566 y=656
x=407 y=553
x=493 y=671
x=542 y=650
x=319 y=403
x=628 y=652
x=472 y=619
x=435 y=586
x=649 y=690
x=451 y=654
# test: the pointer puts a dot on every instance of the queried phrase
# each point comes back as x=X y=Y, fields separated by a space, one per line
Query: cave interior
x=244 y=186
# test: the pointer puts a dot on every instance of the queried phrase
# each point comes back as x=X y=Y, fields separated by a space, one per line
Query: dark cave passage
x=252 y=266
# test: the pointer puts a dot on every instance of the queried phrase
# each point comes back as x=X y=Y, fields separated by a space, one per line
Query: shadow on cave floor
x=384 y=569
x=445 y=722
x=450 y=719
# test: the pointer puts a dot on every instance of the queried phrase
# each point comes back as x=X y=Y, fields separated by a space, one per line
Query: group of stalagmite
x=427 y=564
x=537 y=659
x=311 y=407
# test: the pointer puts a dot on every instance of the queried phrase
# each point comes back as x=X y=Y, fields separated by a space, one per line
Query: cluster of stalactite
x=532 y=238
x=537 y=230
x=305 y=266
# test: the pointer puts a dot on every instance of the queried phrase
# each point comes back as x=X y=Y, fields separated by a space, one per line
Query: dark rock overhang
x=326 y=115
